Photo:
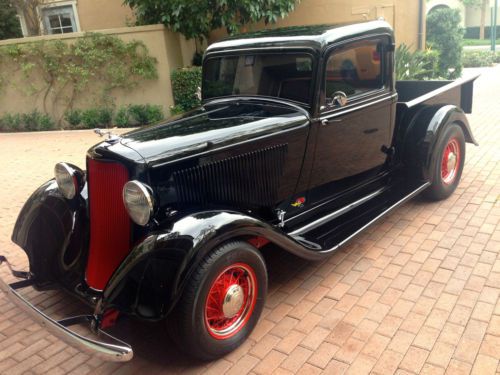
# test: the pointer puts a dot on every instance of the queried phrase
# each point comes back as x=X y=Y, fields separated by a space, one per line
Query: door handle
x=370 y=131
x=326 y=121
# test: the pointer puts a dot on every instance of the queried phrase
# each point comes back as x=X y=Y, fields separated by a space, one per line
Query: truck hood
x=211 y=127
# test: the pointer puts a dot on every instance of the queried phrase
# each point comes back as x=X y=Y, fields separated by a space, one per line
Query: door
x=355 y=118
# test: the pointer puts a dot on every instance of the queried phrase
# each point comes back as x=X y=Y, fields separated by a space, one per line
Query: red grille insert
x=109 y=221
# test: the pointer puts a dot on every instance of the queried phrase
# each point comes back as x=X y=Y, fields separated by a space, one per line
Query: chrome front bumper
x=110 y=349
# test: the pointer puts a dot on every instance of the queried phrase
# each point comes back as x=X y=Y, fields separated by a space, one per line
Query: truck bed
x=413 y=93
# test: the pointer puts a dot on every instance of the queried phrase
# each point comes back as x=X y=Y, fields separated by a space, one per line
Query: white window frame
x=59 y=4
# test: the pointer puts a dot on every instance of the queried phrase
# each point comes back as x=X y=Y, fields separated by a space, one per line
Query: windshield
x=284 y=75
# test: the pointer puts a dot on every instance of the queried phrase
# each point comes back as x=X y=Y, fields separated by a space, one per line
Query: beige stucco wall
x=103 y=14
x=401 y=14
x=163 y=44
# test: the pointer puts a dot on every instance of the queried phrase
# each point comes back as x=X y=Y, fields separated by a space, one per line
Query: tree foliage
x=196 y=19
x=9 y=23
x=445 y=35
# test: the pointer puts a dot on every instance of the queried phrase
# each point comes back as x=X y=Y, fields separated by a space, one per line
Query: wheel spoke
x=237 y=281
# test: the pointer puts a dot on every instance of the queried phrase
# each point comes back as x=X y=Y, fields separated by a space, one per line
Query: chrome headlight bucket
x=70 y=179
x=139 y=202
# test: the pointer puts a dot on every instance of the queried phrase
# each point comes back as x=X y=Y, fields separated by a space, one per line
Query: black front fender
x=151 y=279
x=51 y=230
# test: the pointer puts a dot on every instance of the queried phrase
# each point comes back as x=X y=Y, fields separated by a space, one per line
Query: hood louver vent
x=249 y=180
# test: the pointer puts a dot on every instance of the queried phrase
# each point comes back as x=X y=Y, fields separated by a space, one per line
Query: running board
x=324 y=236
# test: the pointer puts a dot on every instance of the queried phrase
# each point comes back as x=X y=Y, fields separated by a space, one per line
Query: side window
x=355 y=69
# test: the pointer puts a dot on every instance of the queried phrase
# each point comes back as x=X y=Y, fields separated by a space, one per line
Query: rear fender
x=426 y=128
x=51 y=231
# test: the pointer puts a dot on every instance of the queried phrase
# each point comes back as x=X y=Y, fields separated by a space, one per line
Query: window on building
x=59 y=20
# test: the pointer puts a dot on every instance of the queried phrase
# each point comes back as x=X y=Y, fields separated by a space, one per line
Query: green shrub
x=418 y=65
x=73 y=117
x=37 y=121
x=430 y=62
x=185 y=83
x=97 y=117
x=176 y=110
x=90 y=118
x=476 y=59
x=105 y=116
x=445 y=35
x=46 y=123
x=145 y=114
x=11 y=122
x=33 y=121
x=122 y=117
x=496 y=57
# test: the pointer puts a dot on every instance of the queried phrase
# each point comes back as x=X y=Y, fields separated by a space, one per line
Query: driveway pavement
x=418 y=293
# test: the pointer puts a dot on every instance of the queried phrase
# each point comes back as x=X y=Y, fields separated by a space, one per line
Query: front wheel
x=221 y=303
x=449 y=164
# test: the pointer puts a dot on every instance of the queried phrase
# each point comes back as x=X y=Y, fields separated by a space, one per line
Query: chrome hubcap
x=452 y=161
x=233 y=301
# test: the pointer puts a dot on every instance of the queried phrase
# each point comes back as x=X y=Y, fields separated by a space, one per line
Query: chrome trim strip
x=115 y=350
x=336 y=214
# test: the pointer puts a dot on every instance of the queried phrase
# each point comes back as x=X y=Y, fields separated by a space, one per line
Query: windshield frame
x=267 y=51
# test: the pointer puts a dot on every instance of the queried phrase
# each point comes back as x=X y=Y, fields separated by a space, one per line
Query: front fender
x=50 y=229
x=426 y=128
x=151 y=279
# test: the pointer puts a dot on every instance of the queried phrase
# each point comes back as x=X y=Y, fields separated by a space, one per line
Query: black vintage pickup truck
x=303 y=139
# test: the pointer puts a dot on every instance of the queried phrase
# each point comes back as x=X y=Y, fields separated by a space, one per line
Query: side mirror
x=338 y=98
x=198 y=93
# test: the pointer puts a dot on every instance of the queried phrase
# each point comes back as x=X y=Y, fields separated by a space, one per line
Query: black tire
x=189 y=325
x=444 y=182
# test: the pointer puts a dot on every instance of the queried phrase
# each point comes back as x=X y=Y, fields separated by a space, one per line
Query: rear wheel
x=222 y=302
x=449 y=164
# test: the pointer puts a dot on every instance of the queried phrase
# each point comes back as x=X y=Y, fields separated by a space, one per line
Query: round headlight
x=67 y=180
x=138 y=201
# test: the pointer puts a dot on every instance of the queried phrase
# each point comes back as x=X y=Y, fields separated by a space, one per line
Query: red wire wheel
x=230 y=301
x=450 y=162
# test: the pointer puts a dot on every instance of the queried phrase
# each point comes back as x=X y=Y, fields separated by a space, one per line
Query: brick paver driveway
x=417 y=293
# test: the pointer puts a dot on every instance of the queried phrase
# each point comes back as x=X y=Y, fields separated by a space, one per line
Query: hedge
x=185 y=83
x=126 y=116
x=476 y=59
x=33 y=121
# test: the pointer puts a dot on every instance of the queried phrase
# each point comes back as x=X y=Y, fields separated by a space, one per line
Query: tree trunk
x=484 y=7
x=29 y=10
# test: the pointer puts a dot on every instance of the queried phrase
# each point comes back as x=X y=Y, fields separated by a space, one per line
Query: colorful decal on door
x=299 y=202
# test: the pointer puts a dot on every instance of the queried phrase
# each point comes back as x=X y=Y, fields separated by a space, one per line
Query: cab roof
x=316 y=37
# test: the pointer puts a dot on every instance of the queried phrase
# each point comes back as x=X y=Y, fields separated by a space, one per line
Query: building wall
x=473 y=16
x=401 y=14
x=163 y=44
x=103 y=14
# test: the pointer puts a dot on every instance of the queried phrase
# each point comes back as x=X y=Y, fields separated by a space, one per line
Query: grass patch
x=479 y=42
